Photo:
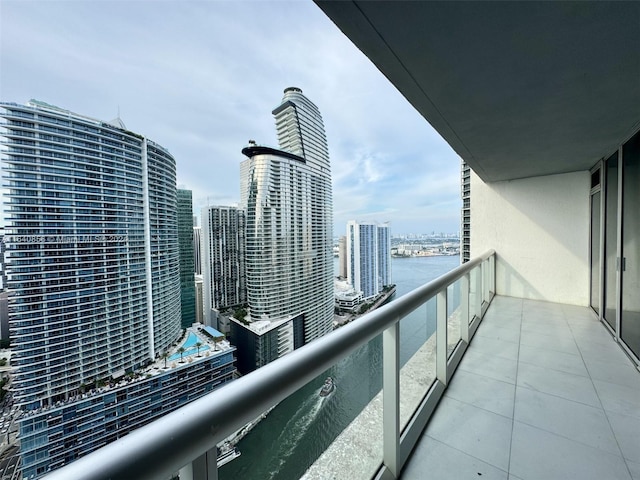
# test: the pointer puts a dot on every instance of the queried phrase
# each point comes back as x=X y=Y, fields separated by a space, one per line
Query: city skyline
x=188 y=79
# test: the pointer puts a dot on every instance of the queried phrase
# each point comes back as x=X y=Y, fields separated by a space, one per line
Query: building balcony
x=505 y=387
x=542 y=392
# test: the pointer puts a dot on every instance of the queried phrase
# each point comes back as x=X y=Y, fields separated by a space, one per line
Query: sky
x=201 y=79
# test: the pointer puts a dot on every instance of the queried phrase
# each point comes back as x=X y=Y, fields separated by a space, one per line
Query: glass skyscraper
x=92 y=262
x=288 y=202
x=92 y=250
x=187 y=271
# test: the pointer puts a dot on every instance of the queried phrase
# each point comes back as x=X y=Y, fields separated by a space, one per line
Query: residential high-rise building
x=342 y=257
x=384 y=255
x=199 y=300
x=465 y=214
x=93 y=280
x=187 y=270
x=368 y=257
x=287 y=196
x=300 y=129
x=92 y=250
x=223 y=230
x=197 y=250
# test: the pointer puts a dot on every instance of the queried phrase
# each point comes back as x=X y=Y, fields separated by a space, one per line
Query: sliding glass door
x=630 y=255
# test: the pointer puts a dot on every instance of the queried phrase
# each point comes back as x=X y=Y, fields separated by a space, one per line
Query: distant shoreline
x=427 y=256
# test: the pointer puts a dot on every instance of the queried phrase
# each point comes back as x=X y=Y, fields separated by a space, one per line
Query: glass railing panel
x=312 y=436
x=417 y=358
x=474 y=293
x=454 y=315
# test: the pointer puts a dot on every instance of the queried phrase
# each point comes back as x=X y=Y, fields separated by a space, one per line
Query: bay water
x=285 y=444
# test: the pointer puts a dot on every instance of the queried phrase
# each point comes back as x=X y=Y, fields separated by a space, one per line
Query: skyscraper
x=301 y=131
x=342 y=257
x=287 y=198
x=187 y=270
x=92 y=250
x=368 y=257
x=93 y=278
x=465 y=213
x=384 y=255
x=223 y=231
x=197 y=250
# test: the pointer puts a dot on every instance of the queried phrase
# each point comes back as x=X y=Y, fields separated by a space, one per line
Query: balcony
x=540 y=391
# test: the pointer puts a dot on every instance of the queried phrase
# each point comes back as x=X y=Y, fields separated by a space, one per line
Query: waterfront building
x=300 y=129
x=384 y=255
x=342 y=257
x=223 y=230
x=348 y=299
x=92 y=262
x=197 y=250
x=287 y=197
x=262 y=341
x=465 y=212
x=68 y=429
x=369 y=257
x=186 y=243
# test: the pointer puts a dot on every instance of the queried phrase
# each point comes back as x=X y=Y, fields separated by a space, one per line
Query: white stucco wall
x=539 y=228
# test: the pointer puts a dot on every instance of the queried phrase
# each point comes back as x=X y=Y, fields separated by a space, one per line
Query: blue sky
x=201 y=78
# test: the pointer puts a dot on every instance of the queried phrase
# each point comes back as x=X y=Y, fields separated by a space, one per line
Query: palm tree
x=181 y=351
x=165 y=355
x=217 y=340
x=198 y=345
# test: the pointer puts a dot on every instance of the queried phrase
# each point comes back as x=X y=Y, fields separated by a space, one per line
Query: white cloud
x=201 y=78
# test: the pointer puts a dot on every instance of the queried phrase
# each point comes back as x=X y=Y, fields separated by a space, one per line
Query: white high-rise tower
x=301 y=130
x=287 y=198
x=368 y=257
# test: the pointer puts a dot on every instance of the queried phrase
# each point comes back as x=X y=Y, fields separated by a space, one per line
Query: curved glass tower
x=289 y=220
x=301 y=130
x=91 y=250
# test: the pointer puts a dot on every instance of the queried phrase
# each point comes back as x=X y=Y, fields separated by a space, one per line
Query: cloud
x=201 y=79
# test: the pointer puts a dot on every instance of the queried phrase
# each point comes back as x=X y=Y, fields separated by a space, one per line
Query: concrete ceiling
x=518 y=89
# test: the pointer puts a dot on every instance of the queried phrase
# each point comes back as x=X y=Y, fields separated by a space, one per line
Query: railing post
x=478 y=277
x=205 y=467
x=391 y=398
x=485 y=281
x=464 y=307
x=492 y=272
x=441 y=336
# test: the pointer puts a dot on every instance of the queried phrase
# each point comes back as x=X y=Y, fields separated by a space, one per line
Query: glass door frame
x=602 y=165
x=605 y=261
x=595 y=189
x=621 y=253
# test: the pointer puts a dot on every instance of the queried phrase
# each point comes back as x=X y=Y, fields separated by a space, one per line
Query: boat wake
x=295 y=428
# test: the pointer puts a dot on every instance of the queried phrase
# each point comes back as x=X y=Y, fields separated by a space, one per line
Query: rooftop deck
x=542 y=392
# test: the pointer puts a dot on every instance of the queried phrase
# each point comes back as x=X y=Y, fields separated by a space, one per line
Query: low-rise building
x=53 y=436
x=262 y=341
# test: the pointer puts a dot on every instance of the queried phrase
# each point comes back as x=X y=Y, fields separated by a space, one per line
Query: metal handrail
x=161 y=448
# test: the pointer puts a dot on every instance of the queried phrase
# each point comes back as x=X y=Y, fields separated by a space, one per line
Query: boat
x=226 y=454
x=328 y=387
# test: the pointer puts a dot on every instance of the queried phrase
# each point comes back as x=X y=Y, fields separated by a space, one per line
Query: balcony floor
x=543 y=392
